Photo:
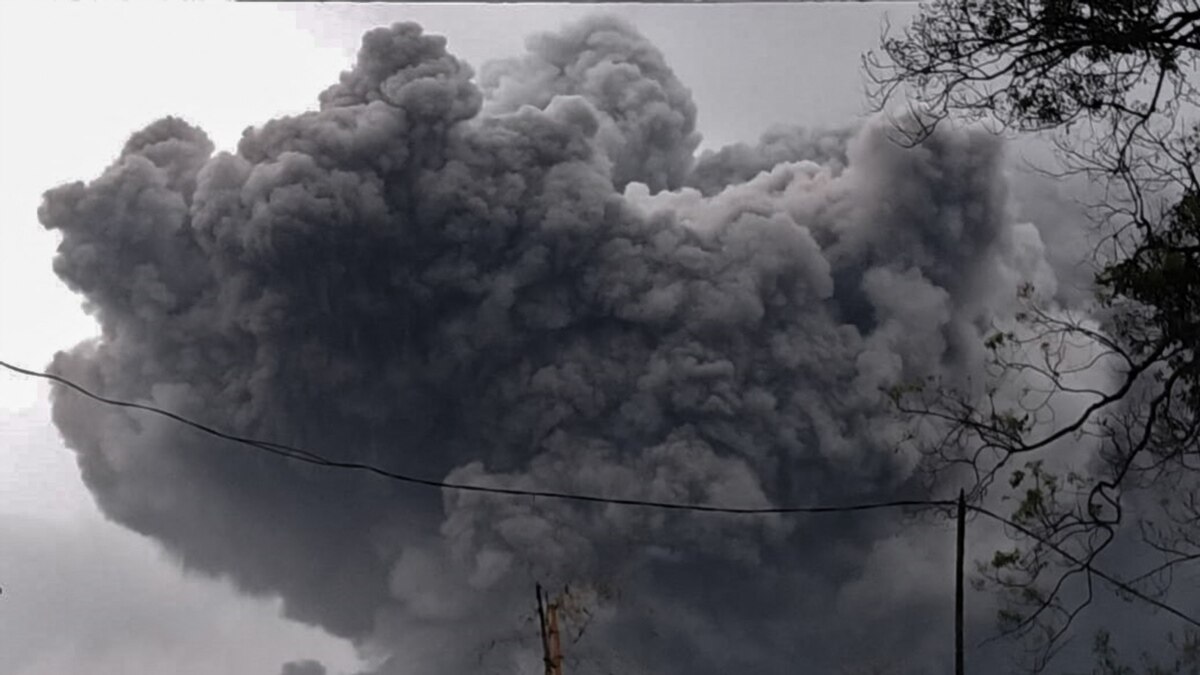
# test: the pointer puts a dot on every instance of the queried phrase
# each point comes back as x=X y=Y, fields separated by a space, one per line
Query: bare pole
x=543 y=630
x=548 y=625
x=553 y=637
x=959 y=664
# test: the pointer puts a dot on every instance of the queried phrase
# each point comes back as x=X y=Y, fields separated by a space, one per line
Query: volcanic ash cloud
x=527 y=279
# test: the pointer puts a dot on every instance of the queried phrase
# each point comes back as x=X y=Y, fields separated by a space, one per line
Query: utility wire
x=307 y=456
x=302 y=455
x=1086 y=565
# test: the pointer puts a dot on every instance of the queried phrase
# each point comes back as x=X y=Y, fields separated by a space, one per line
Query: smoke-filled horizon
x=527 y=277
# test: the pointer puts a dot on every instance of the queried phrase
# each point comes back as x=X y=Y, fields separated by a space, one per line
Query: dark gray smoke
x=504 y=281
x=303 y=668
x=738 y=163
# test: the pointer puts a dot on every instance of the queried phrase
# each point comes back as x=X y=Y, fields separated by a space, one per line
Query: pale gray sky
x=82 y=595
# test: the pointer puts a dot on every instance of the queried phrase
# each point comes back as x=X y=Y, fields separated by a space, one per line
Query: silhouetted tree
x=1113 y=83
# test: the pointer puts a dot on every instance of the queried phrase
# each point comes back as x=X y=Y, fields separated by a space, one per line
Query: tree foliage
x=1089 y=421
x=1185 y=659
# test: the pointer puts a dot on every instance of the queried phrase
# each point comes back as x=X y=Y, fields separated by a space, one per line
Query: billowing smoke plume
x=507 y=280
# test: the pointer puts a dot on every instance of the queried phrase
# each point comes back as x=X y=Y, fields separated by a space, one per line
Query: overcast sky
x=82 y=595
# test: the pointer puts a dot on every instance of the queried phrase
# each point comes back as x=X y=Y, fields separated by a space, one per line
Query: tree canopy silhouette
x=1113 y=84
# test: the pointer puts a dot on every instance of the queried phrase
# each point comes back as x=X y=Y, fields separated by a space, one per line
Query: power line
x=302 y=455
x=1086 y=565
x=307 y=456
